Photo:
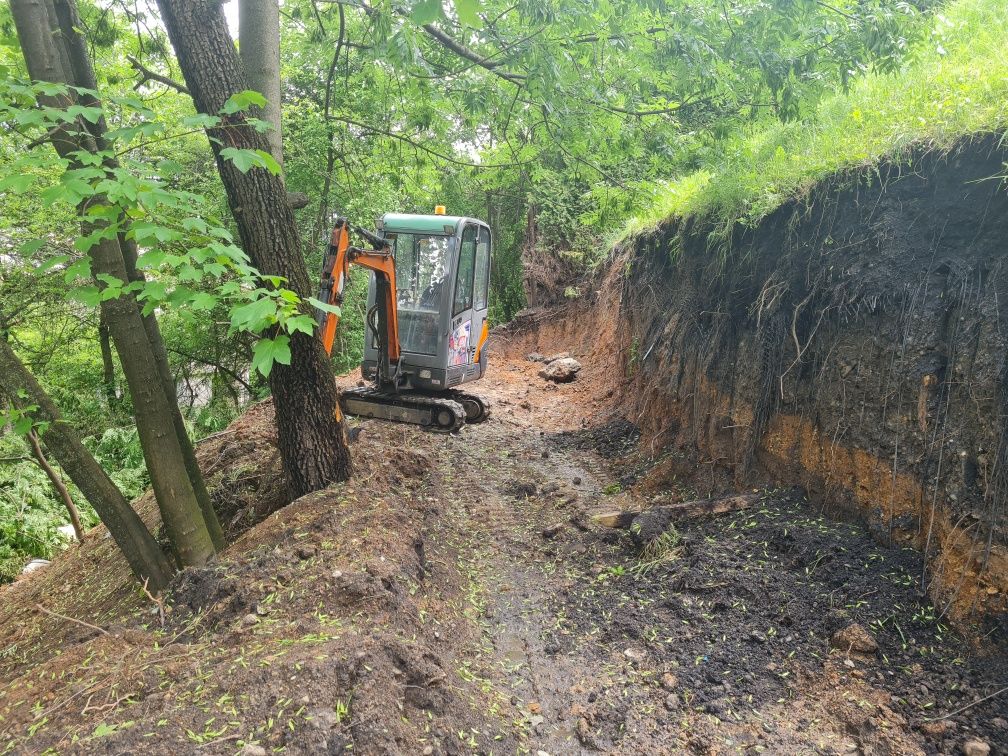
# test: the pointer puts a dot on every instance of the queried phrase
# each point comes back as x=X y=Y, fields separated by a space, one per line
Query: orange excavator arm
x=336 y=270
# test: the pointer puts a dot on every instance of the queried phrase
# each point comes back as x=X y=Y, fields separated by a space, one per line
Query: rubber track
x=406 y=401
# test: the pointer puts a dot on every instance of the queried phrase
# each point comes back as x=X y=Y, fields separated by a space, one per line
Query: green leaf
x=89 y=295
x=242 y=101
x=244 y=160
x=29 y=248
x=201 y=121
x=269 y=351
x=426 y=11
x=255 y=315
x=269 y=162
x=468 y=13
x=203 y=301
x=91 y=114
x=80 y=269
x=52 y=262
x=303 y=323
x=324 y=306
x=17 y=182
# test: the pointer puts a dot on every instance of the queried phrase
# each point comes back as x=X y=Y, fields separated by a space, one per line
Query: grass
x=955 y=83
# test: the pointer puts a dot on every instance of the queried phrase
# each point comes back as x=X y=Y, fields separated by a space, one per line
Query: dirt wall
x=852 y=343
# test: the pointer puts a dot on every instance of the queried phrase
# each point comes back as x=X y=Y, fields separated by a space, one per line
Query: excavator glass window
x=464 y=280
x=422 y=266
x=482 y=281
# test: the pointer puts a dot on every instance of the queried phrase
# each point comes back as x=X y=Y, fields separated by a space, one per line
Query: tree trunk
x=145 y=558
x=259 y=48
x=82 y=73
x=309 y=423
x=58 y=484
x=46 y=56
x=108 y=366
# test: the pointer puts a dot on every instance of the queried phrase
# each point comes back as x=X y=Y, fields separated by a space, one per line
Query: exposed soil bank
x=853 y=343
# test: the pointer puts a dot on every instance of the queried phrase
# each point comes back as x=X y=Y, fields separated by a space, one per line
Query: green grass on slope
x=955 y=84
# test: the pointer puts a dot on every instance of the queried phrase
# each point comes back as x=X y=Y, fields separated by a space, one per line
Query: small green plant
x=612 y=489
x=633 y=357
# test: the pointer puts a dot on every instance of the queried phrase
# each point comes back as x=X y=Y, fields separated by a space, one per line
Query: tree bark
x=259 y=48
x=145 y=558
x=45 y=53
x=58 y=484
x=309 y=423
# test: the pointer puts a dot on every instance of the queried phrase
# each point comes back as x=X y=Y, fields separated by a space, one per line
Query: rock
x=976 y=747
x=672 y=702
x=557 y=356
x=854 y=639
x=428 y=750
x=34 y=564
x=669 y=681
x=936 y=730
x=249 y=620
x=552 y=531
x=305 y=552
x=576 y=481
x=584 y=734
x=561 y=371
x=253 y=750
x=535 y=357
x=1000 y=722
x=634 y=654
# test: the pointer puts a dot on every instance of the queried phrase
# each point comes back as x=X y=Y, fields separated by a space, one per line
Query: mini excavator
x=426 y=321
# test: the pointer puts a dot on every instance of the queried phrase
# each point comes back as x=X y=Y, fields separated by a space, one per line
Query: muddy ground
x=456 y=597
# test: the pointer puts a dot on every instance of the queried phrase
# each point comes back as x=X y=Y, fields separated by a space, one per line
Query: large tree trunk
x=145 y=558
x=259 y=47
x=47 y=57
x=310 y=426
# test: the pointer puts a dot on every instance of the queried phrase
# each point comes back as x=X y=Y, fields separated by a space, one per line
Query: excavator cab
x=426 y=322
x=442 y=277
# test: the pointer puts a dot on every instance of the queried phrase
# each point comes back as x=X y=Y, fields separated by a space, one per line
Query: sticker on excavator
x=458 y=344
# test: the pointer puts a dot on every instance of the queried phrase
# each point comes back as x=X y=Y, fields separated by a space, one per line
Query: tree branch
x=471 y=55
x=149 y=75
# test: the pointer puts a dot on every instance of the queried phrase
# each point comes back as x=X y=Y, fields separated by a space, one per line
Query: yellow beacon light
x=439 y=210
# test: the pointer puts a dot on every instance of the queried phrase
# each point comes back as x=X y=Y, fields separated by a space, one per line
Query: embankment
x=852 y=343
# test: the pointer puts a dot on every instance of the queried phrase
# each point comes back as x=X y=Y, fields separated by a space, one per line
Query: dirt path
x=719 y=644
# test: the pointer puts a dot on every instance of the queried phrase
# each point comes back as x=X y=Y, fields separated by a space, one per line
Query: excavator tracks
x=476 y=410
x=444 y=413
x=435 y=413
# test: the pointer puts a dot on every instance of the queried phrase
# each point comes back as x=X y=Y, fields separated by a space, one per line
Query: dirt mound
x=327 y=626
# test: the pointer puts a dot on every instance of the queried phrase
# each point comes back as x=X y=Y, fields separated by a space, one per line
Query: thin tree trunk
x=108 y=366
x=145 y=558
x=309 y=423
x=58 y=484
x=259 y=47
x=45 y=55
